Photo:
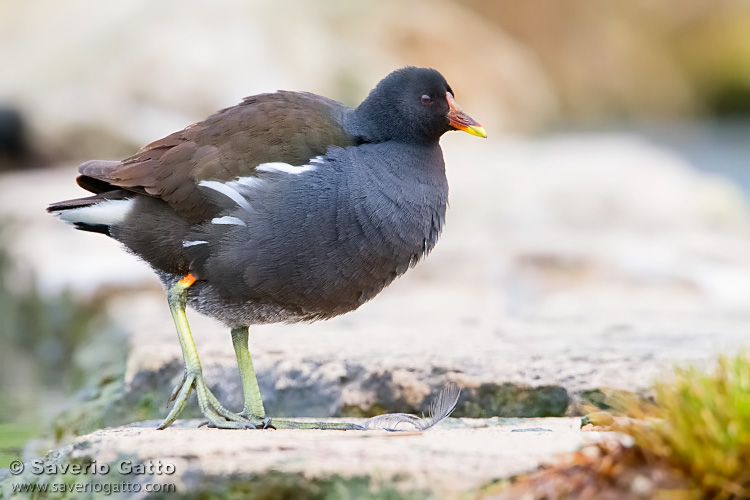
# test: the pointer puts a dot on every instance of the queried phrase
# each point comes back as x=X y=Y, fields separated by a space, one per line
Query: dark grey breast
x=323 y=241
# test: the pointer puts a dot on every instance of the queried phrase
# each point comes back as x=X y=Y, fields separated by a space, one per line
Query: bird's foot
x=263 y=422
x=250 y=423
x=212 y=409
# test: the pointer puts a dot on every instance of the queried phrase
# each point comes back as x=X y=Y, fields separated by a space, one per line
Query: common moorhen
x=287 y=207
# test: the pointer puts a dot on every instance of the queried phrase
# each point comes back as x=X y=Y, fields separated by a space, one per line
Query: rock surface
x=457 y=456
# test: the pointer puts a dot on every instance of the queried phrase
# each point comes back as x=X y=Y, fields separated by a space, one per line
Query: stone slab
x=457 y=456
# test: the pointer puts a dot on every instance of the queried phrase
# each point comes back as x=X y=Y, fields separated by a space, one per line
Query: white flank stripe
x=228 y=219
x=247 y=182
x=104 y=213
x=284 y=167
x=227 y=191
x=193 y=243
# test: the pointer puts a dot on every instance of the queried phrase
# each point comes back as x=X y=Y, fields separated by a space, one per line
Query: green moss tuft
x=700 y=425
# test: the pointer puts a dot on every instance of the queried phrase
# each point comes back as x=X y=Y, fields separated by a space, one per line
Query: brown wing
x=288 y=127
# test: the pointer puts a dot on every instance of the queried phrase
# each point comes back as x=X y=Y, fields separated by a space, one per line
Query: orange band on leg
x=187 y=280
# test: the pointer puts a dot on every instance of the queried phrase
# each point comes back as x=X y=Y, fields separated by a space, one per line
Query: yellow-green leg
x=253 y=413
x=253 y=408
x=193 y=377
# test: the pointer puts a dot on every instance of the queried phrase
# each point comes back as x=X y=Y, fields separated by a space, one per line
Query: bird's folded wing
x=286 y=127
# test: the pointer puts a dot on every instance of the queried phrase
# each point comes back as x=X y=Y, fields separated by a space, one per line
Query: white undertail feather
x=106 y=213
x=440 y=409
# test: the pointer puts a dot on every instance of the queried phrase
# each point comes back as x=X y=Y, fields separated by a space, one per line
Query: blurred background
x=608 y=210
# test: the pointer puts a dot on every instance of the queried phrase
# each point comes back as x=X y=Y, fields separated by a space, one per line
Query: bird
x=288 y=207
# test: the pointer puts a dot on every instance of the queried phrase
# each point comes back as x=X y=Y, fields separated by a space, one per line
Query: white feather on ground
x=440 y=409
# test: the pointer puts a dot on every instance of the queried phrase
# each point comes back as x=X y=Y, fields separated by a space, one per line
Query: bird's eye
x=426 y=99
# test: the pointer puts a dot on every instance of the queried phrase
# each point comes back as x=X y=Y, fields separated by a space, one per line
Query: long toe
x=180 y=398
x=229 y=425
x=278 y=423
x=177 y=388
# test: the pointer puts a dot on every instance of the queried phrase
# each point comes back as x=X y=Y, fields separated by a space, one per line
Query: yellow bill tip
x=476 y=130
